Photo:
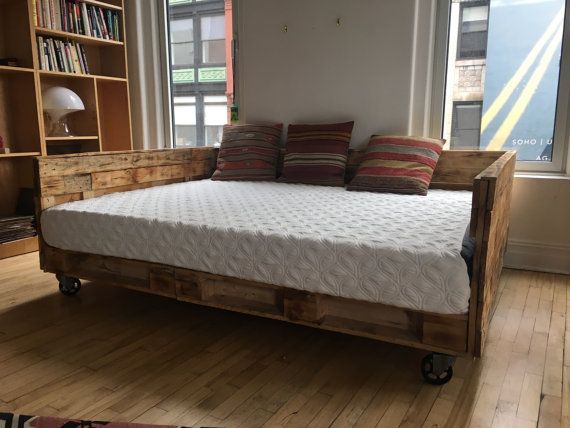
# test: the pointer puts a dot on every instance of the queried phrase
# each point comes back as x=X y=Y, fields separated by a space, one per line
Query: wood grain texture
x=114 y=354
x=489 y=174
x=496 y=181
x=403 y=326
x=67 y=178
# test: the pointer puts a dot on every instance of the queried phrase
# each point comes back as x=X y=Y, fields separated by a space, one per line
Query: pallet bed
x=61 y=179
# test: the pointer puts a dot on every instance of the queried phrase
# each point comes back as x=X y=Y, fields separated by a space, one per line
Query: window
x=215 y=117
x=182 y=42
x=213 y=39
x=473 y=31
x=466 y=129
x=185 y=120
x=201 y=81
x=504 y=80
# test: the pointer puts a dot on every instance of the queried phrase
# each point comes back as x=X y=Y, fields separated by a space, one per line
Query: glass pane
x=466 y=124
x=184 y=100
x=216 y=99
x=185 y=136
x=215 y=115
x=214 y=135
x=214 y=52
x=516 y=80
x=182 y=30
x=182 y=54
x=213 y=27
x=475 y=13
x=185 y=115
x=473 y=45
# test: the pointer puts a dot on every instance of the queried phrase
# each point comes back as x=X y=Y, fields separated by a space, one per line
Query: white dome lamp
x=58 y=102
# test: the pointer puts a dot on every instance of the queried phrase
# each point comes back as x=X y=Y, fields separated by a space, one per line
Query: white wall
x=376 y=69
x=539 y=235
x=373 y=68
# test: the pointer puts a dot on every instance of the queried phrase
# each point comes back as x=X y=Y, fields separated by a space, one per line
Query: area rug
x=11 y=420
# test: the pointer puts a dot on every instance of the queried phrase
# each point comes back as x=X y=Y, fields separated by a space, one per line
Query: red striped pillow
x=317 y=154
x=249 y=152
x=398 y=165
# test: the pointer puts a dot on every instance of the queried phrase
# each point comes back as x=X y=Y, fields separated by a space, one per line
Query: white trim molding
x=537 y=256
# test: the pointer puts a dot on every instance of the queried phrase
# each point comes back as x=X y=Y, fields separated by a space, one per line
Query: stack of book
x=62 y=55
x=74 y=16
x=18 y=227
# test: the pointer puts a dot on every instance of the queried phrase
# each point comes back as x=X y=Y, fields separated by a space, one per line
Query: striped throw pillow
x=317 y=154
x=249 y=153
x=398 y=165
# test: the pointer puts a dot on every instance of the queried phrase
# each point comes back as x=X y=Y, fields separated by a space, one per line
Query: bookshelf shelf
x=20 y=246
x=5 y=69
x=86 y=40
x=73 y=138
x=19 y=155
x=104 y=5
x=24 y=128
x=81 y=76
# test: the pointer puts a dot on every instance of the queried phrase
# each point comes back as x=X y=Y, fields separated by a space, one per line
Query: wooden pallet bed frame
x=61 y=179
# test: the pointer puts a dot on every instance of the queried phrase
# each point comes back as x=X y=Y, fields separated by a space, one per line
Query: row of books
x=62 y=55
x=77 y=17
x=16 y=227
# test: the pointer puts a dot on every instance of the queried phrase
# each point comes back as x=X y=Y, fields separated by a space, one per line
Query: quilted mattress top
x=401 y=250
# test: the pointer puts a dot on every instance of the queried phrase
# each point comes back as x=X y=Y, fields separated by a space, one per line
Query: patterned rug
x=10 y=420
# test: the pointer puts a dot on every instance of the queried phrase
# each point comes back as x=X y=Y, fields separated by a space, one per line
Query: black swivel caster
x=437 y=369
x=68 y=285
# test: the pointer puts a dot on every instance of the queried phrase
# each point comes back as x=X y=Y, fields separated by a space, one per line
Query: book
x=85 y=17
x=61 y=55
x=51 y=15
x=35 y=12
x=45 y=13
x=57 y=14
x=85 y=63
x=75 y=16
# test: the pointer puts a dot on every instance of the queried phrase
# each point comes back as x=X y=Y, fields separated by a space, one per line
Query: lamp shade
x=60 y=98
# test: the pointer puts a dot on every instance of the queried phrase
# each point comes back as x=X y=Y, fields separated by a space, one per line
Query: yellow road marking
x=528 y=92
x=509 y=88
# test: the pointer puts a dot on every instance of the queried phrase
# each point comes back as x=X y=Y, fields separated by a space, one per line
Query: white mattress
x=401 y=250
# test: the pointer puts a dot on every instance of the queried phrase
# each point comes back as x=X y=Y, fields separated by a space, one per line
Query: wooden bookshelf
x=105 y=124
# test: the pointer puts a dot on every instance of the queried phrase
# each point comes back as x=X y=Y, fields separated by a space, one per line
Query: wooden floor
x=113 y=354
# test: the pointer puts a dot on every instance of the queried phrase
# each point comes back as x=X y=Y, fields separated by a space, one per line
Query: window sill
x=543 y=175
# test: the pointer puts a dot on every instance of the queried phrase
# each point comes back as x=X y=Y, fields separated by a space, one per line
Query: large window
x=504 y=78
x=201 y=74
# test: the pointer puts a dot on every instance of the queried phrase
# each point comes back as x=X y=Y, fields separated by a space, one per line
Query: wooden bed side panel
x=496 y=183
x=69 y=178
x=439 y=333
x=457 y=169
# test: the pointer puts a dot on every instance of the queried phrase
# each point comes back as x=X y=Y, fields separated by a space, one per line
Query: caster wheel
x=68 y=286
x=437 y=369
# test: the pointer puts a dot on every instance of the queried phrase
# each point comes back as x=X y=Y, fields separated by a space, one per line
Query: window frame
x=560 y=164
x=204 y=8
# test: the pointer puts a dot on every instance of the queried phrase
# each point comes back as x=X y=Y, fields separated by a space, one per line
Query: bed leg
x=68 y=285
x=437 y=369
